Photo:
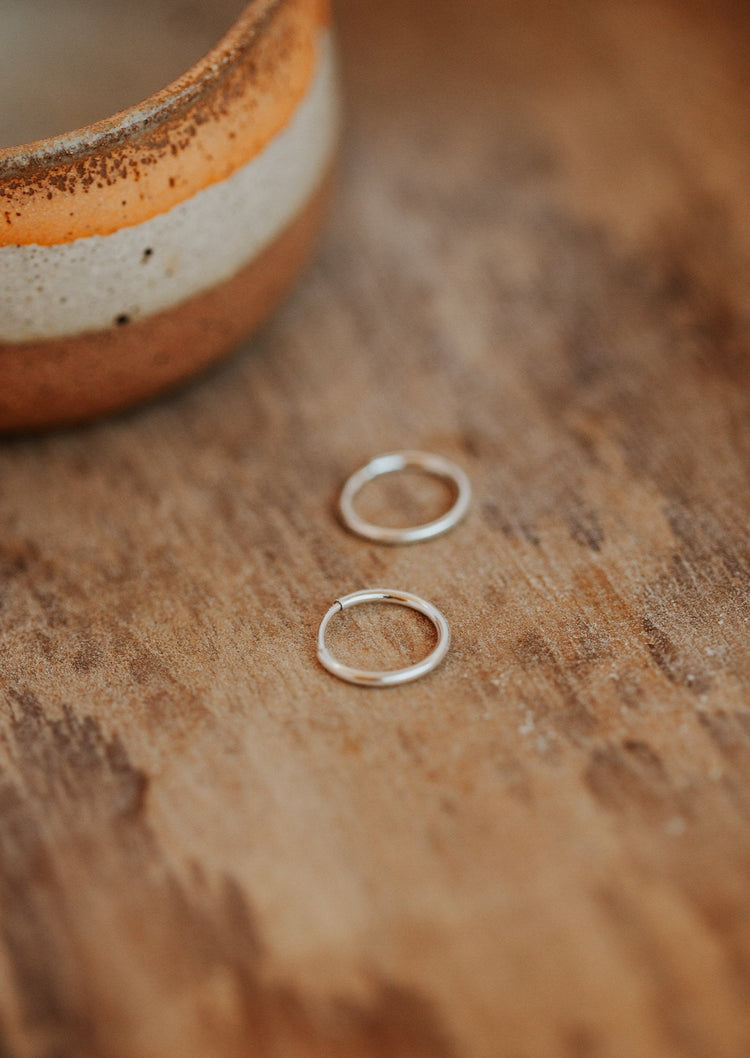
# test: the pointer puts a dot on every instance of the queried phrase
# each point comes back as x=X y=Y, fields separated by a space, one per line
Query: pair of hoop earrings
x=392 y=463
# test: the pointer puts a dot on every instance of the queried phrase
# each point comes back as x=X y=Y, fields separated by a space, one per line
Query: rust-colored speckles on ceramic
x=137 y=250
x=195 y=132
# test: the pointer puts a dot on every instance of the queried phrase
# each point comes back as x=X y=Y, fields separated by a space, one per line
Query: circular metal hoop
x=391 y=463
x=392 y=677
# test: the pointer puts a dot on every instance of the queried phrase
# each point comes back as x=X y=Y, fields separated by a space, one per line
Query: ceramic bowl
x=142 y=247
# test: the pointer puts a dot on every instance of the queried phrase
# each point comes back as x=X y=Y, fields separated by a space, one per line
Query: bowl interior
x=68 y=63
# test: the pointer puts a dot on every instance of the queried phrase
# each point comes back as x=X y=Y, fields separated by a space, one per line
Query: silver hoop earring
x=392 y=677
x=391 y=463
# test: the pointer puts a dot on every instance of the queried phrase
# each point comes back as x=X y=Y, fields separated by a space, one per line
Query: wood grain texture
x=537 y=264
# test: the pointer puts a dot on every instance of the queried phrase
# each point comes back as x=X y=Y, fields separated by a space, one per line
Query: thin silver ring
x=390 y=463
x=391 y=677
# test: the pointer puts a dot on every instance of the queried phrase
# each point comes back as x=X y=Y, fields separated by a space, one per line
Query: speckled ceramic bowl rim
x=163 y=105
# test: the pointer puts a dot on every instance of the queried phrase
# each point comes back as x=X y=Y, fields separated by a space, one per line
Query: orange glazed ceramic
x=142 y=247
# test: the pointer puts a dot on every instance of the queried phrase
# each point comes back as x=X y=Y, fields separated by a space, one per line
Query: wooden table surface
x=538 y=264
